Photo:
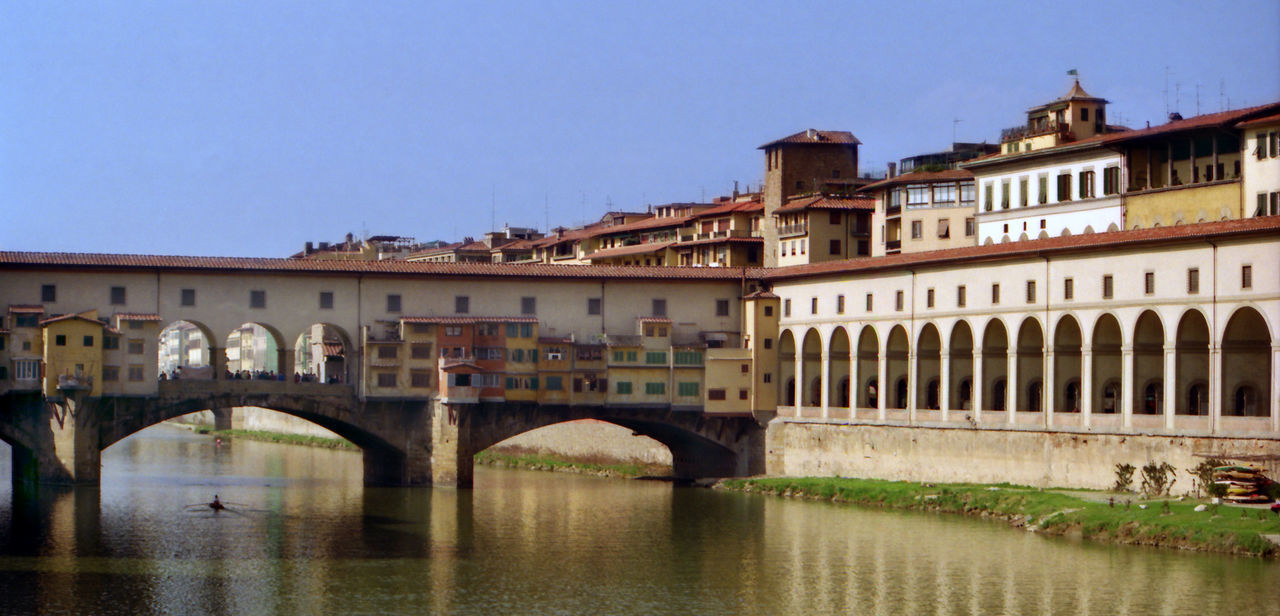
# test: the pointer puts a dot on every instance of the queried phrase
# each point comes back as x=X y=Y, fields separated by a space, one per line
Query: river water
x=304 y=536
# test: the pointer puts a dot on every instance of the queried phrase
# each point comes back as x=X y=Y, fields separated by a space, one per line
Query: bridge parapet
x=197 y=388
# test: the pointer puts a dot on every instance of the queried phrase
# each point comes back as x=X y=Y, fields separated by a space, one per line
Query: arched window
x=966 y=393
x=791 y=392
x=1246 y=401
x=844 y=392
x=1198 y=399
x=1071 y=395
x=1035 y=391
x=999 y=395
x=901 y=391
x=931 y=395
x=1153 y=398
x=1111 y=397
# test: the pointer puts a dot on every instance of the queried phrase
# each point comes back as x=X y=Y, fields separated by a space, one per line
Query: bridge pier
x=452 y=461
x=54 y=441
x=221 y=419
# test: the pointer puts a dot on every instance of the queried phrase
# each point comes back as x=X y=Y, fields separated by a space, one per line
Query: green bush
x=1124 y=477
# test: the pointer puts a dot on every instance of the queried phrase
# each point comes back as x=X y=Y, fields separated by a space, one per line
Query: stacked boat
x=1245 y=484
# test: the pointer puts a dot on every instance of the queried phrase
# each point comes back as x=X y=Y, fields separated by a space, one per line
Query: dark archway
x=1107 y=340
x=995 y=365
x=928 y=367
x=1030 y=367
x=812 y=366
x=1148 y=365
x=838 y=375
x=787 y=369
x=1067 y=362
x=869 y=368
x=896 y=356
x=1246 y=365
x=961 y=376
x=1192 y=362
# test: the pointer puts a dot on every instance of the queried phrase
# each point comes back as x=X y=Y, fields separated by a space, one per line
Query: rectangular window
x=1108 y=286
x=188 y=297
x=687 y=389
x=387 y=351
x=526 y=330
x=1086 y=184
x=135 y=373
x=714 y=394
x=917 y=229
x=1111 y=181
x=722 y=307
x=659 y=307
x=768 y=343
x=743 y=394
x=869 y=302
x=1246 y=277
x=1261 y=150
x=928 y=298
x=111 y=373
x=1031 y=291
x=917 y=194
x=1004 y=195
x=528 y=305
x=654 y=389
x=393 y=302
x=421 y=351
x=386 y=379
x=970 y=227
x=48 y=293
x=786 y=307
x=987 y=188
x=813 y=306
x=995 y=293
x=555 y=383
x=622 y=387
x=1149 y=283
x=419 y=378
x=655 y=357
x=257 y=299
x=117 y=296
x=1193 y=281
x=687 y=358
x=135 y=346
x=513 y=330
x=834 y=218
x=1064 y=187
x=839 y=304
x=1068 y=288
x=898 y=301
x=593 y=305
x=326 y=300
x=768 y=311
x=461 y=304
x=88 y=341
x=834 y=247
x=110 y=342
x=1042 y=197
x=944 y=194
x=1024 y=186
x=60 y=340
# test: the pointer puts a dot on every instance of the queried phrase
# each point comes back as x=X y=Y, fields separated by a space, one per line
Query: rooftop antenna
x=1177 y=96
x=954 y=123
x=493 y=209
x=1222 y=94
x=546 y=212
x=1166 y=91
x=1197 y=98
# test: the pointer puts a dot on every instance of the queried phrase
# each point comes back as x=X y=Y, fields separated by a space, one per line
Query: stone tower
x=800 y=164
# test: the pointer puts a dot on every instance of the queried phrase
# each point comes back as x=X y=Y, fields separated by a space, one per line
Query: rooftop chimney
x=308 y=249
x=893 y=170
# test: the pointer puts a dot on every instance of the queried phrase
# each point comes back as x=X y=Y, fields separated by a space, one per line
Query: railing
x=893 y=245
x=796 y=229
x=893 y=210
x=1016 y=133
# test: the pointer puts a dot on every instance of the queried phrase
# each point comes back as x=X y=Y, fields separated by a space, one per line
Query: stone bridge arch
x=700 y=445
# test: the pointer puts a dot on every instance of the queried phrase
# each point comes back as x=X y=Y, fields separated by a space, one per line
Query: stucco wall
x=589 y=439
x=1026 y=457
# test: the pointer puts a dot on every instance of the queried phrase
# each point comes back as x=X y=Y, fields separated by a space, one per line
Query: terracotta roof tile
x=626 y=251
x=1208 y=120
x=58 y=260
x=332 y=350
x=68 y=317
x=654 y=320
x=923 y=176
x=1033 y=248
x=815 y=137
x=731 y=207
x=642 y=225
x=1263 y=121
x=760 y=294
x=819 y=202
x=722 y=240
x=465 y=320
x=137 y=316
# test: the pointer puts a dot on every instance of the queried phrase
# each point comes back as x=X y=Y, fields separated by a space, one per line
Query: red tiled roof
x=642 y=225
x=1079 y=144
x=1263 y=121
x=819 y=202
x=332 y=350
x=138 y=316
x=815 y=137
x=731 y=207
x=1263 y=225
x=923 y=176
x=68 y=317
x=1208 y=120
x=463 y=320
x=568 y=235
x=26 y=309
x=654 y=320
x=760 y=294
x=626 y=251
x=722 y=240
x=83 y=261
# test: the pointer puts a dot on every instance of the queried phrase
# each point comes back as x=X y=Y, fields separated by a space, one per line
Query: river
x=304 y=536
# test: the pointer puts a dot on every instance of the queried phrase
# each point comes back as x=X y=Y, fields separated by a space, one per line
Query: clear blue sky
x=248 y=128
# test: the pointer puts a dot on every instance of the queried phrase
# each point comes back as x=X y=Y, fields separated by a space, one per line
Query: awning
x=944 y=227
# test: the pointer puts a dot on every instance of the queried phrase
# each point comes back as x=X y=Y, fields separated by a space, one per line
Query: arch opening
x=1192 y=365
x=1068 y=357
x=1106 y=342
x=869 y=368
x=787 y=369
x=811 y=367
x=1148 y=365
x=1247 y=389
x=1030 y=392
x=185 y=351
x=321 y=352
x=257 y=352
x=896 y=360
x=929 y=368
x=961 y=375
x=838 y=375
x=995 y=366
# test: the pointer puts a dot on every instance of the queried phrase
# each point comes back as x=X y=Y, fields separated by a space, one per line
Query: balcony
x=1027 y=131
x=893 y=245
x=892 y=210
x=796 y=229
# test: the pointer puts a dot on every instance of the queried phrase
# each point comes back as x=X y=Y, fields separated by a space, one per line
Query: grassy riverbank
x=277 y=437
x=1165 y=523
x=544 y=462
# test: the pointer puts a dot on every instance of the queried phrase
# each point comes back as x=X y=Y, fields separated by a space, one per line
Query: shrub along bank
x=278 y=437
x=1114 y=518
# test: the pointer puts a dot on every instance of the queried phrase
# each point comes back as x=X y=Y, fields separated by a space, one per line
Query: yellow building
x=73 y=354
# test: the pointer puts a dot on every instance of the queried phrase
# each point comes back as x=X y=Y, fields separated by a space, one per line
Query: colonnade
x=1187 y=372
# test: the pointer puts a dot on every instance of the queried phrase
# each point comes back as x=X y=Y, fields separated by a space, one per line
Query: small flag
x=1073 y=72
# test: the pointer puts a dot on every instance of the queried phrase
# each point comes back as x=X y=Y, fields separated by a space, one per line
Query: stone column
x=913 y=372
x=1170 y=383
x=284 y=363
x=798 y=388
x=975 y=393
x=221 y=418
x=1126 y=387
x=882 y=388
x=855 y=390
x=1275 y=388
x=218 y=362
x=824 y=396
x=944 y=382
x=1011 y=386
x=1215 y=387
x=1048 y=391
x=1086 y=385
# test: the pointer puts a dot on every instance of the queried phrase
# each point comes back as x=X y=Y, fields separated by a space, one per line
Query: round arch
x=1247 y=389
x=1068 y=358
x=897 y=353
x=1107 y=339
x=258 y=351
x=186 y=351
x=960 y=347
x=1191 y=374
x=322 y=350
x=811 y=367
x=995 y=365
x=838 y=350
x=1148 y=364
x=928 y=368
x=868 y=368
x=786 y=368
x=1030 y=386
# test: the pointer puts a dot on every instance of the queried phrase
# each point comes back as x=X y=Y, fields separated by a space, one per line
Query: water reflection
x=308 y=538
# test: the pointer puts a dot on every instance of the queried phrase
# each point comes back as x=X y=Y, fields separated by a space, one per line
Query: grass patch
x=1230 y=529
x=544 y=462
x=277 y=437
